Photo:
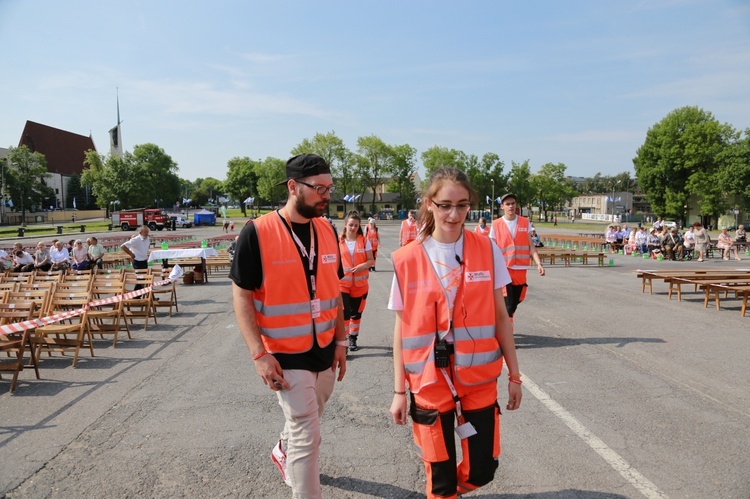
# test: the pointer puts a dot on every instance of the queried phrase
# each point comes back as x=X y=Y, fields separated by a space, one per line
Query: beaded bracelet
x=516 y=381
x=514 y=376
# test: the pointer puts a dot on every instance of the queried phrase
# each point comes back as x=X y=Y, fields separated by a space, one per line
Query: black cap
x=506 y=196
x=305 y=165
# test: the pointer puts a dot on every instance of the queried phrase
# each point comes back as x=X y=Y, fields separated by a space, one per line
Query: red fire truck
x=155 y=218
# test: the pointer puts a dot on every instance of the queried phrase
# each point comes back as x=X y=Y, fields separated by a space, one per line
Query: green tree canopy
x=683 y=155
x=375 y=160
x=242 y=180
x=519 y=183
x=25 y=179
x=270 y=172
x=402 y=169
x=552 y=187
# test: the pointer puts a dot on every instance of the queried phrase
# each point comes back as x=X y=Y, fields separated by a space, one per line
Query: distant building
x=65 y=153
x=601 y=206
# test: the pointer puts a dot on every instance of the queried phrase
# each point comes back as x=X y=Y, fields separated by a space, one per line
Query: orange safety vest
x=354 y=284
x=283 y=307
x=477 y=358
x=408 y=232
x=372 y=235
x=516 y=251
x=480 y=230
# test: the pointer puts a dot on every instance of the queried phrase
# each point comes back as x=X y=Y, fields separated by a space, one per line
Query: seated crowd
x=673 y=245
x=59 y=256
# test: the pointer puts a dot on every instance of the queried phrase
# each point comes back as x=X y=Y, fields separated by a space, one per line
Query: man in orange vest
x=408 y=229
x=291 y=316
x=511 y=232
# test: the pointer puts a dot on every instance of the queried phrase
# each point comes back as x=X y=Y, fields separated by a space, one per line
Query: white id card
x=315 y=308
x=465 y=430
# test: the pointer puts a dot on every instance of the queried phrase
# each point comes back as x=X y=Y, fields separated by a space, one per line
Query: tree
x=75 y=191
x=157 y=174
x=375 y=160
x=437 y=157
x=402 y=169
x=482 y=173
x=25 y=178
x=552 y=187
x=735 y=177
x=682 y=156
x=242 y=180
x=270 y=172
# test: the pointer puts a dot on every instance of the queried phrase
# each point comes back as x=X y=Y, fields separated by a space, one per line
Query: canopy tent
x=204 y=217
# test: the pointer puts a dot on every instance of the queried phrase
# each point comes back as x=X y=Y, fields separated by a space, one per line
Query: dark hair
x=439 y=178
x=19 y=253
x=355 y=216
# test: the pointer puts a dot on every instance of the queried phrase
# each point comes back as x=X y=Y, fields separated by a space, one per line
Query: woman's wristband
x=396 y=392
x=342 y=343
x=261 y=354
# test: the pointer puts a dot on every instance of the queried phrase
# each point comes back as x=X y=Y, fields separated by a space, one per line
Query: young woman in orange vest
x=450 y=340
x=482 y=228
x=356 y=257
x=372 y=235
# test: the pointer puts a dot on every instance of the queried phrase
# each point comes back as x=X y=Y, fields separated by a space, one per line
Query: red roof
x=65 y=151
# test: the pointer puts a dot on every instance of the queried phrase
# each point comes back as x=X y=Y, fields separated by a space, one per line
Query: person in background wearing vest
x=356 y=258
x=511 y=232
x=371 y=233
x=286 y=296
x=408 y=230
x=482 y=228
x=450 y=340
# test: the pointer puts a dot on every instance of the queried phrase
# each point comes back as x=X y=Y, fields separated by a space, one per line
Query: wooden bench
x=648 y=276
x=568 y=256
x=700 y=281
x=714 y=291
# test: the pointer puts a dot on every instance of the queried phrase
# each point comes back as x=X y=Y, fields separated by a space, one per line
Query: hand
x=398 y=409
x=540 y=268
x=269 y=370
x=514 y=396
x=339 y=360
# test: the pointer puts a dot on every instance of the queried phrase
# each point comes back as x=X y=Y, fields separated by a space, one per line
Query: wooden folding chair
x=49 y=286
x=17 y=277
x=106 y=318
x=48 y=275
x=8 y=286
x=57 y=337
x=165 y=295
x=39 y=298
x=140 y=306
x=16 y=343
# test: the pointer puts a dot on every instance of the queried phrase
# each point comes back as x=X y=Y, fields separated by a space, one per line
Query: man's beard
x=308 y=211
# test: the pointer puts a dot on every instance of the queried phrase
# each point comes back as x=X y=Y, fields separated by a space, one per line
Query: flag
x=10 y=203
x=74 y=203
x=347 y=198
x=607 y=199
x=489 y=201
x=619 y=198
x=499 y=200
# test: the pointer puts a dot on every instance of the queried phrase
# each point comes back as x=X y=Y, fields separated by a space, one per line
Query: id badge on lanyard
x=315 y=307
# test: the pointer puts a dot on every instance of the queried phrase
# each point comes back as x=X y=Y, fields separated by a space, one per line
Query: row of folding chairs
x=98 y=312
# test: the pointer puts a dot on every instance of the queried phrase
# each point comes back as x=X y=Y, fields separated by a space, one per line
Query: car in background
x=669 y=224
x=180 y=221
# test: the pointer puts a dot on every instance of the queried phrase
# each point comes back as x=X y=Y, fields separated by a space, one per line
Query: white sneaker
x=278 y=456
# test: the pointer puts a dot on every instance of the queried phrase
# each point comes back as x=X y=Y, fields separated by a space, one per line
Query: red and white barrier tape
x=18 y=327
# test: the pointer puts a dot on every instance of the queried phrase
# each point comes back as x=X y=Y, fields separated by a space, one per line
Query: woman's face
x=449 y=206
x=352 y=227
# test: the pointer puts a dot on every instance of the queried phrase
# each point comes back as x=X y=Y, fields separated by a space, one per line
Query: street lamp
x=492 y=201
x=613 y=200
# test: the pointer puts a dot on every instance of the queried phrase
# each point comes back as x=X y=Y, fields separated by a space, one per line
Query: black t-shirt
x=247 y=273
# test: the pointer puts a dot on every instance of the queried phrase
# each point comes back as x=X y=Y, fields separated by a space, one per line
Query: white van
x=180 y=220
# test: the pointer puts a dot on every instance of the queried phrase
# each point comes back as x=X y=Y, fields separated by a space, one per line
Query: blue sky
x=573 y=82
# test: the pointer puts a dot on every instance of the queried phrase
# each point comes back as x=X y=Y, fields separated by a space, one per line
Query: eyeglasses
x=320 y=189
x=445 y=209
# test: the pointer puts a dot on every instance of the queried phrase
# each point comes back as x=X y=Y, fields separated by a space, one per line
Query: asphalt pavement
x=626 y=395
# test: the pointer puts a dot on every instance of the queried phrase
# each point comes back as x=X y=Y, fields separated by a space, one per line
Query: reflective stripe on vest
x=477 y=356
x=516 y=250
x=372 y=235
x=283 y=309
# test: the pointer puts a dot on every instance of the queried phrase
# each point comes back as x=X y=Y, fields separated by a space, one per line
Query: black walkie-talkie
x=442 y=355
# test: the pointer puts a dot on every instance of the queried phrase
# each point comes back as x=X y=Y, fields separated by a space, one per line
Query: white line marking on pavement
x=630 y=474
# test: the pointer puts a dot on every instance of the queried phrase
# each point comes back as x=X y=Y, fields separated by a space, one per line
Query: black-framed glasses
x=461 y=208
x=320 y=189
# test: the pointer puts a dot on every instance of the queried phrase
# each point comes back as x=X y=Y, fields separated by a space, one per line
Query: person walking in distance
x=450 y=340
x=482 y=228
x=357 y=259
x=408 y=229
x=371 y=233
x=285 y=289
x=511 y=233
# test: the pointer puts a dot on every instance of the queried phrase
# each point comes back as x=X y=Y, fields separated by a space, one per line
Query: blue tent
x=204 y=217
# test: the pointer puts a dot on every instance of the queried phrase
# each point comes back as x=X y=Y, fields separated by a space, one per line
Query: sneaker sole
x=281 y=469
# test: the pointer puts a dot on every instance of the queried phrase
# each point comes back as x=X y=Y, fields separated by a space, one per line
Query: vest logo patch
x=523 y=229
x=478 y=276
x=328 y=258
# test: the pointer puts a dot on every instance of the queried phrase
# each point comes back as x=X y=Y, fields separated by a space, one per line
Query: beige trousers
x=303 y=406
